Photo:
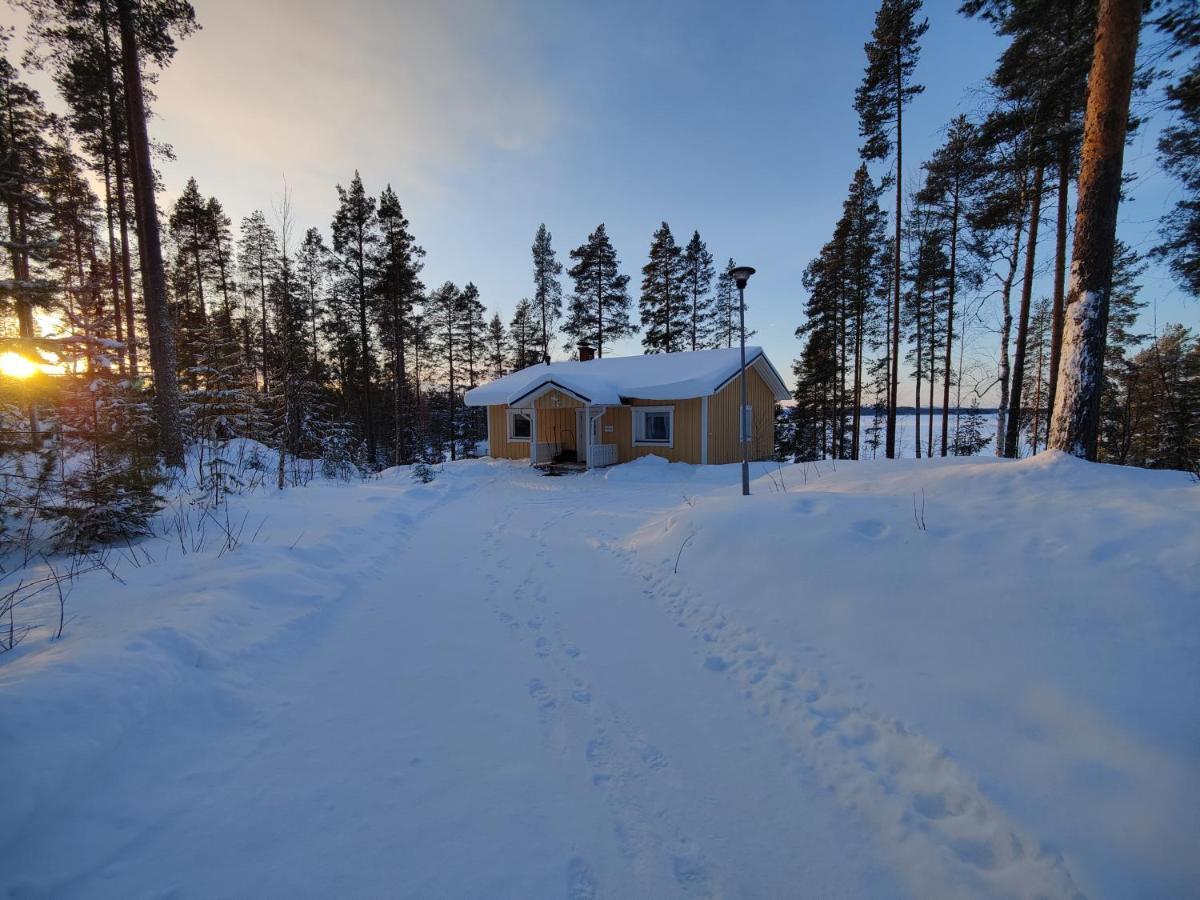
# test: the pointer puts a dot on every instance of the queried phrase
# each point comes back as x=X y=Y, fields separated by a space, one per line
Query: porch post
x=533 y=436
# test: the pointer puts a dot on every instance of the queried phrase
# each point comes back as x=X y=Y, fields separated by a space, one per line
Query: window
x=747 y=422
x=519 y=425
x=654 y=425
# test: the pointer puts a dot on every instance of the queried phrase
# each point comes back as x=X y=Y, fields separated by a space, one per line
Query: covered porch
x=566 y=429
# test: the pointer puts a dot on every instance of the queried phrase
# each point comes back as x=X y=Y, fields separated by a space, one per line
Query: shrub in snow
x=423 y=472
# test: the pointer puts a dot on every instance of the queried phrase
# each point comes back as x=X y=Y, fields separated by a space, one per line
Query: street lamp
x=741 y=275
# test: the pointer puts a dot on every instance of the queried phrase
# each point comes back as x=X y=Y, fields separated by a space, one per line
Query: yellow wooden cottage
x=598 y=412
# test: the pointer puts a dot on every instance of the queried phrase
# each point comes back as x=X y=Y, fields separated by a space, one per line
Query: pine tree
x=599 y=308
x=355 y=236
x=952 y=183
x=398 y=266
x=134 y=24
x=1179 y=144
x=887 y=87
x=27 y=236
x=547 y=289
x=663 y=304
x=698 y=274
x=1076 y=417
x=1041 y=77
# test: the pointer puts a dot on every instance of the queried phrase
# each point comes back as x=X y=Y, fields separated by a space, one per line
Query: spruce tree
x=258 y=261
x=497 y=349
x=547 y=289
x=887 y=86
x=663 y=304
x=725 y=309
x=445 y=320
x=474 y=352
x=599 y=308
x=525 y=336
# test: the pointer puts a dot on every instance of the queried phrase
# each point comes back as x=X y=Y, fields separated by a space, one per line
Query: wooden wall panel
x=723 y=431
x=499 y=446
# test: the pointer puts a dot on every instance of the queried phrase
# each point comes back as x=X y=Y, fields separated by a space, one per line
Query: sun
x=16 y=366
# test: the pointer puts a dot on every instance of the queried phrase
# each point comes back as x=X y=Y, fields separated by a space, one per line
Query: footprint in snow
x=542 y=645
x=542 y=696
x=653 y=757
x=870 y=528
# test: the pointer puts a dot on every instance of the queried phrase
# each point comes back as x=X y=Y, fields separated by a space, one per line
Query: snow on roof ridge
x=607 y=380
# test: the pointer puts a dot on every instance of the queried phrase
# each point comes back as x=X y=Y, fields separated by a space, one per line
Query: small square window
x=654 y=425
x=520 y=428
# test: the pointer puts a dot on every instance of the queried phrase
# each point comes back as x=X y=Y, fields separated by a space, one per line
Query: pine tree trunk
x=109 y=218
x=115 y=119
x=950 y=323
x=1006 y=334
x=154 y=283
x=1060 y=267
x=365 y=340
x=1013 y=434
x=1076 y=417
x=920 y=364
x=895 y=379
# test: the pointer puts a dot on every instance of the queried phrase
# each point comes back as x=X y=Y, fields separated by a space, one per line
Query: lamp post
x=741 y=275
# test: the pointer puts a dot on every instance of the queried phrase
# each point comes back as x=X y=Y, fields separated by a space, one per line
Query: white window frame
x=638 y=421
x=747 y=423
x=511 y=435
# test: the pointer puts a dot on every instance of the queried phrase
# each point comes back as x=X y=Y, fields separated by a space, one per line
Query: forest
x=142 y=340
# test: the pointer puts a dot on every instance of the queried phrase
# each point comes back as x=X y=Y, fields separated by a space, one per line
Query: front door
x=581 y=435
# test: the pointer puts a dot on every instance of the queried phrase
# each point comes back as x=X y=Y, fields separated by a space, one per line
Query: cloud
x=406 y=92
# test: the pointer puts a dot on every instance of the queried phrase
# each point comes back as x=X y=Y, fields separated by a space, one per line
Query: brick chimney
x=586 y=352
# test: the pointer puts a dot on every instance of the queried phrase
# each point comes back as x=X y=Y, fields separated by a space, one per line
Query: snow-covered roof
x=610 y=380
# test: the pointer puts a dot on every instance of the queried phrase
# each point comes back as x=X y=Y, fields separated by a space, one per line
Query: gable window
x=654 y=425
x=519 y=425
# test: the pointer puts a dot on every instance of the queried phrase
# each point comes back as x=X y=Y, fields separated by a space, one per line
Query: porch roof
x=609 y=381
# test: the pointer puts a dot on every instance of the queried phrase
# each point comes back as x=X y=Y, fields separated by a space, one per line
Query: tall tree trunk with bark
x=1060 y=267
x=115 y=118
x=1076 y=418
x=154 y=281
x=894 y=391
x=946 y=375
x=1013 y=433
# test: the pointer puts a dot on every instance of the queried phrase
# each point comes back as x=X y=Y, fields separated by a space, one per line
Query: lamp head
x=741 y=274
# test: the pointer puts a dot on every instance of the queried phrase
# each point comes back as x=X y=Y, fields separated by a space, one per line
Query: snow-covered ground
x=498 y=685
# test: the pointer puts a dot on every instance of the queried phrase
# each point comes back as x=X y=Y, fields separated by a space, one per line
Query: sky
x=488 y=118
